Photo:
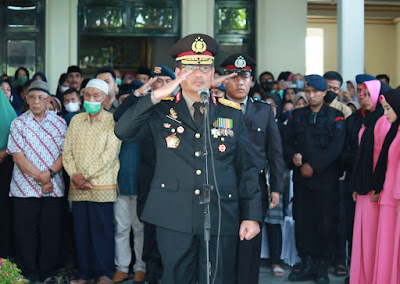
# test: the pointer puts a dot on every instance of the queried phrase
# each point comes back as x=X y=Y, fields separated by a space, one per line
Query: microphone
x=204 y=94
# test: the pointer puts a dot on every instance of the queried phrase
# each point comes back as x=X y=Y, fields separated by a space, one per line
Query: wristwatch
x=52 y=173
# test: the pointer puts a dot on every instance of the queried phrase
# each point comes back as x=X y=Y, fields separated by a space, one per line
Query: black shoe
x=306 y=272
x=321 y=273
x=347 y=280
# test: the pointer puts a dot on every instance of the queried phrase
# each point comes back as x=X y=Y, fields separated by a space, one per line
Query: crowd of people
x=103 y=177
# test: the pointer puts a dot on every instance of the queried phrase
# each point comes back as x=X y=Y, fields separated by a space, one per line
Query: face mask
x=329 y=97
x=300 y=84
x=63 y=89
x=72 y=107
x=92 y=107
x=21 y=81
x=118 y=80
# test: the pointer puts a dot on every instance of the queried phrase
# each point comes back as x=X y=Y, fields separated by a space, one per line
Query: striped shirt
x=42 y=143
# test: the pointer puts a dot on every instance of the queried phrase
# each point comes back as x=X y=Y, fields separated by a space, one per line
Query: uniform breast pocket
x=322 y=141
x=223 y=147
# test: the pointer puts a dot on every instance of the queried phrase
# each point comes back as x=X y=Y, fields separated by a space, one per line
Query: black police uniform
x=266 y=140
x=173 y=201
x=319 y=138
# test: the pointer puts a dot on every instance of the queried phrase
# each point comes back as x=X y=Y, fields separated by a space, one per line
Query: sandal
x=278 y=271
x=341 y=270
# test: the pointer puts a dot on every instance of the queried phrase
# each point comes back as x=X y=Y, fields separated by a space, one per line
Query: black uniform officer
x=266 y=140
x=173 y=201
x=313 y=144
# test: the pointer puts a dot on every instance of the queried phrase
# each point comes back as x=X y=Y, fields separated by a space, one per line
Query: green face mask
x=21 y=81
x=92 y=107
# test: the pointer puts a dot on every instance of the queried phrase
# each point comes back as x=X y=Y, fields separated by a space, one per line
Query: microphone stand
x=206 y=198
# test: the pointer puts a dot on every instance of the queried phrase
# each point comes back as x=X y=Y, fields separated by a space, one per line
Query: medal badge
x=223 y=127
x=180 y=129
x=167 y=125
x=222 y=148
x=172 y=141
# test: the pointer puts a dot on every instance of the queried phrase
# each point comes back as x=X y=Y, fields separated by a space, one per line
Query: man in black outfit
x=266 y=140
x=313 y=144
x=173 y=203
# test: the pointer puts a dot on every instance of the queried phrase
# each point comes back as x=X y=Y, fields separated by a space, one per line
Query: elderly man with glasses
x=35 y=143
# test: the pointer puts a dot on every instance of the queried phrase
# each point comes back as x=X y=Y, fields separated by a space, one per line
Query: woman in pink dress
x=367 y=210
x=385 y=181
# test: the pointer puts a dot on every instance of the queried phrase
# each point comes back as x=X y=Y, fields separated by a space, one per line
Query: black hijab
x=362 y=179
x=393 y=99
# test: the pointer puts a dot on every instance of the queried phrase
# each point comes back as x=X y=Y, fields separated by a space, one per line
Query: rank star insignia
x=199 y=46
x=173 y=113
x=240 y=62
x=172 y=141
x=222 y=148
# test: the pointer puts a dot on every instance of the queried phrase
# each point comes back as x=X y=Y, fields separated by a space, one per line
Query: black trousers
x=350 y=209
x=249 y=252
x=274 y=232
x=314 y=211
x=151 y=254
x=38 y=234
x=184 y=257
x=6 y=239
x=339 y=252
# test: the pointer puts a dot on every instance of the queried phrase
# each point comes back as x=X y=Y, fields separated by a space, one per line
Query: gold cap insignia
x=199 y=46
x=240 y=62
x=157 y=70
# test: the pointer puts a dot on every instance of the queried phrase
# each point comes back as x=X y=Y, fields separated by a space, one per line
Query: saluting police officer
x=173 y=201
x=313 y=144
x=266 y=140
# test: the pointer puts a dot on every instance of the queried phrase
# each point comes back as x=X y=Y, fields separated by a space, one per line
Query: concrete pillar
x=350 y=15
x=395 y=81
x=281 y=29
x=61 y=39
x=197 y=17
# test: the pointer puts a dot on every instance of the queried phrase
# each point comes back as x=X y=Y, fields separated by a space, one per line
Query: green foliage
x=9 y=273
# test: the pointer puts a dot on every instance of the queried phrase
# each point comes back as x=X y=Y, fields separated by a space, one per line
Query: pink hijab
x=374 y=88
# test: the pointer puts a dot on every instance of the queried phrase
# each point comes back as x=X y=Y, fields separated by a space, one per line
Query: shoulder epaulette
x=229 y=103
x=168 y=99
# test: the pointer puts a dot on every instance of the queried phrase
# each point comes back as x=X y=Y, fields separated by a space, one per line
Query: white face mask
x=72 y=107
x=63 y=89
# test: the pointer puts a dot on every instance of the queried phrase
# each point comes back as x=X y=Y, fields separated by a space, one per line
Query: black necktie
x=198 y=116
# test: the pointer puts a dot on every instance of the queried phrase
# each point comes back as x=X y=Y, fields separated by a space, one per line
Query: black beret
x=238 y=62
x=317 y=82
x=161 y=70
x=74 y=68
x=361 y=78
x=129 y=88
x=195 y=49
x=144 y=70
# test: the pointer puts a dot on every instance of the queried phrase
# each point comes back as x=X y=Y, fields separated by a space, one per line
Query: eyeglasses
x=35 y=98
x=204 y=69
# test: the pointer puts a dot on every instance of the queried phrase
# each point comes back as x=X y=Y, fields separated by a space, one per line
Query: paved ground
x=266 y=277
